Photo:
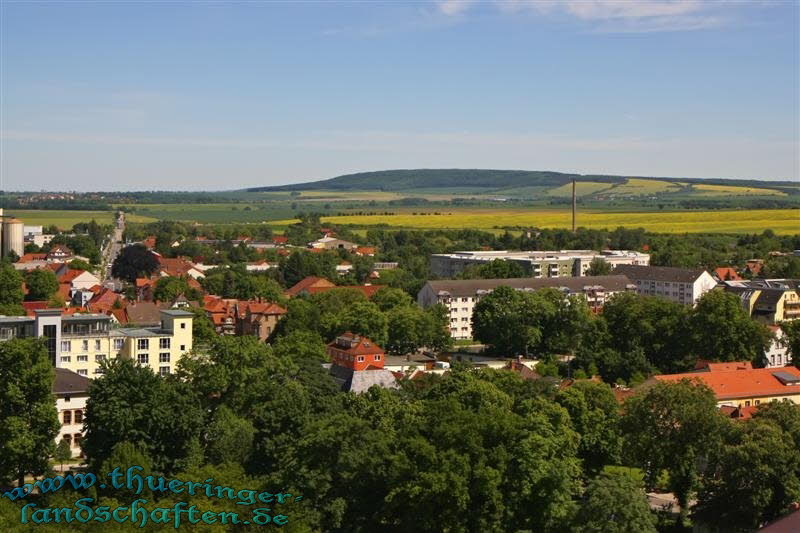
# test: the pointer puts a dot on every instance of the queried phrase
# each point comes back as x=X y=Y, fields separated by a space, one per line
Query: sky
x=223 y=95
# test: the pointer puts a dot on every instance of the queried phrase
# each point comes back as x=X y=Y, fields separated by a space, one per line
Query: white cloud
x=454 y=7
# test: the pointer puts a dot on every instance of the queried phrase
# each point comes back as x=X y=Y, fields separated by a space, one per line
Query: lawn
x=782 y=221
x=728 y=190
x=66 y=219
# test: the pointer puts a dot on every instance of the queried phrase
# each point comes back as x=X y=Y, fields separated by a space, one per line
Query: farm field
x=644 y=186
x=65 y=219
x=781 y=221
x=727 y=190
x=582 y=188
x=212 y=213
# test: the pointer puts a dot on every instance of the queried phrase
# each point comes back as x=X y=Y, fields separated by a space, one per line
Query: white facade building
x=682 y=285
x=71 y=392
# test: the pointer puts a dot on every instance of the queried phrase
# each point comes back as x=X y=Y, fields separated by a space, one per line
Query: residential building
x=307 y=283
x=536 y=264
x=332 y=243
x=258 y=318
x=460 y=296
x=71 y=391
x=741 y=385
x=80 y=342
x=770 y=301
x=777 y=354
x=726 y=274
x=682 y=285
x=357 y=363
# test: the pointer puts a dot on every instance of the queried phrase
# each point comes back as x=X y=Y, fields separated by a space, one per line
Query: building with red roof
x=726 y=274
x=280 y=240
x=741 y=385
x=366 y=290
x=307 y=283
x=365 y=250
x=357 y=363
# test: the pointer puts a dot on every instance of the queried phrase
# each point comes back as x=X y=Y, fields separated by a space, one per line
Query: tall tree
x=42 y=284
x=28 y=418
x=614 y=502
x=721 y=330
x=674 y=427
x=599 y=267
x=791 y=331
x=10 y=285
x=134 y=261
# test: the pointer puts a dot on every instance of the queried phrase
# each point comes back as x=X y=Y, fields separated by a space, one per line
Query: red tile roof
x=70 y=275
x=726 y=274
x=306 y=284
x=27 y=258
x=365 y=250
x=30 y=307
x=367 y=290
x=359 y=345
x=280 y=239
x=743 y=383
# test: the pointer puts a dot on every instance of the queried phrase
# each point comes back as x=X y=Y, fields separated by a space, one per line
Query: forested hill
x=398 y=180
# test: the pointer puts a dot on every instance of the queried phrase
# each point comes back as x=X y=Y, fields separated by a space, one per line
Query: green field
x=781 y=221
x=582 y=188
x=635 y=186
x=66 y=219
x=727 y=190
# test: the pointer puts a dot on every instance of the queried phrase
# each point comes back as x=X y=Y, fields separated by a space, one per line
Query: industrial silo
x=12 y=237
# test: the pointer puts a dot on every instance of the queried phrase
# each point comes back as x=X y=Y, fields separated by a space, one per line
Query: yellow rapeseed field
x=781 y=221
x=726 y=190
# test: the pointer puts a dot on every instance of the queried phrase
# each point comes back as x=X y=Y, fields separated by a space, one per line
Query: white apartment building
x=682 y=285
x=80 y=342
x=777 y=355
x=460 y=296
x=536 y=264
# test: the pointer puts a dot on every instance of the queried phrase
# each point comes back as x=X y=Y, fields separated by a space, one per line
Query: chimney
x=574 y=206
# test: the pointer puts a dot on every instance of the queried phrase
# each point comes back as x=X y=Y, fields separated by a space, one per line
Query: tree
x=42 y=284
x=10 y=285
x=63 y=453
x=134 y=261
x=80 y=264
x=229 y=438
x=202 y=327
x=496 y=269
x=497 y=320
x=388 y=298
x=28 y=416
x=791 y=332
x=614 y=502
x=594 y=412
x=130 y=403
x=674 y=427
x=598 y=267
x=753 y=481
x=721 y=330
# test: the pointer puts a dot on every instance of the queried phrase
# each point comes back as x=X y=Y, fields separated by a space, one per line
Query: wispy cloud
x=622 y=16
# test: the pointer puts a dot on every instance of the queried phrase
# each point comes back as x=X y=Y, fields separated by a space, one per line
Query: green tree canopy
x=42 y=284
x=134 y=261
x=614 y=502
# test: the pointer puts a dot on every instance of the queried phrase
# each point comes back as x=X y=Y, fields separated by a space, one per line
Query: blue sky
x=222 y=95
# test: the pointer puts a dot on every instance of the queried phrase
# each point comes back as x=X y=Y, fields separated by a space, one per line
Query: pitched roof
x=469 y=287
x=70 y=275
x=365 y=250
x=354 y=344
x=27 y=258
x=744 y=383
x=726 y=273
x=69 y=382
x=306 y=283
x=660 y=273
x=143 y=313
x=367 y=290
x=280 y=239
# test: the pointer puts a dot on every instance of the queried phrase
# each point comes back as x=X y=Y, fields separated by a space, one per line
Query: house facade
x=681 y=285
x=357 y=363
x=81 y=342
x=461 y=296
x=71 y=391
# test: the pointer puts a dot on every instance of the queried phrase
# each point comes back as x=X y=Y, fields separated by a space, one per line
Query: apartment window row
x=74 y=440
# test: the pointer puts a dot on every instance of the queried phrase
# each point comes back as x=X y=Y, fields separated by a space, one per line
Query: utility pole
x=574 y=205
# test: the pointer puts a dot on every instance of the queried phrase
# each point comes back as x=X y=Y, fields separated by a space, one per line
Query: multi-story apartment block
x=536 y=264
x=682 y=285
x=460 y=296
x=80 y=342
x=770 y=301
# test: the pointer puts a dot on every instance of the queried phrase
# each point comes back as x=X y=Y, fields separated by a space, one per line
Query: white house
x=777 y=354
x=71 y=392
x=682 y=285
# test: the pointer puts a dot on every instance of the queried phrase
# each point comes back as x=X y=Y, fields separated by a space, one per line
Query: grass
x=214 y=213
x=781 y=221
x=582 y=188
x=727 y=190
x=65 y=219
x=642 y=186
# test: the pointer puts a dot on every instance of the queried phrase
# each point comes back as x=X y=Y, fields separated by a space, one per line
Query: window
x=99 y=357
x=164 y=370
x=163 y=357
x=143 y=358
x=377 y=357
x=163 y=344
x=143 y=344
x=758 y=402
x=66 y=358
x=183 y=347
x=119 y=343
x=83 y=372
x=99 y=371
x=68 y=438
x=360 y=358
x=76 y=440
x=85 y=346
x=78 y=416
x=66 y=346
x=67 y=417
x=747 y=403
x=183 y=325
x=97 y=344
x=83 y=358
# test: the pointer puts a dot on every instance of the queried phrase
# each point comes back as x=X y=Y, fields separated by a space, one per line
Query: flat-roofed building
x=80 y=342
x=459 y=296
x=536 y=264
x=770 y=301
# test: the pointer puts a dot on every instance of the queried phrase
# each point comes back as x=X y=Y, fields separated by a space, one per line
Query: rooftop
x=658 y=273
x=469 y=287
x=67 y=381
x=744 y=382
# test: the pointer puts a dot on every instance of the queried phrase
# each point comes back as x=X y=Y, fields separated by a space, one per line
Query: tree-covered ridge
x=397 y=180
